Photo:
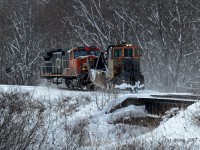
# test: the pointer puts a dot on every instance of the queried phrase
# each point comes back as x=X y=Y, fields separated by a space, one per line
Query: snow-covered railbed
x=77 y=119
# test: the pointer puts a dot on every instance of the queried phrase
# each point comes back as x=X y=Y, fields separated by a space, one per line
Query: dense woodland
x=168 y=31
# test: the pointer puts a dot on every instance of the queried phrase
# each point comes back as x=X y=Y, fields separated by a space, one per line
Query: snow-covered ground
x=67 y=112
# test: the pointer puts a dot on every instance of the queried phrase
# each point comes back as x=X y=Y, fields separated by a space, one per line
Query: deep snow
x=70 y=108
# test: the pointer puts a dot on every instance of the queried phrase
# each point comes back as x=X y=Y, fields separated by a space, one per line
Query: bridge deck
x=159 y=104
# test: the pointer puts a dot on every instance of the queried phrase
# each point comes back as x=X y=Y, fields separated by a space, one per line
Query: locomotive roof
x=49 y=53
x=54 y=51
x=123 y=45
x=80 y=48
x=71 y=49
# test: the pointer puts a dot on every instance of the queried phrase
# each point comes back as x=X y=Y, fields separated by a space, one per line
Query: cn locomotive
x=87 y=67
x=70 y=66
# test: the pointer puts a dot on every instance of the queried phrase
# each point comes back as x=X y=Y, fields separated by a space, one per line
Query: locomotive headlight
x=84 y=68
x=98 y=72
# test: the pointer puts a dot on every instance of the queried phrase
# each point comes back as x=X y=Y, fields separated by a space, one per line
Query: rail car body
x=70 y=66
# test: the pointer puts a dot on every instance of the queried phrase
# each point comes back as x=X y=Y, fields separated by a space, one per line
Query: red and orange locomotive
x=70 y=66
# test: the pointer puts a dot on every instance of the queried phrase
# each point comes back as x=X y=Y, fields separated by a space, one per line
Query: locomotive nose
x=84 y=67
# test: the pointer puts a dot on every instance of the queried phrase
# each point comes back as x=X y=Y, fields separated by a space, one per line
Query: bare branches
x=22 y=47
x=167 y=31
x=21 y=125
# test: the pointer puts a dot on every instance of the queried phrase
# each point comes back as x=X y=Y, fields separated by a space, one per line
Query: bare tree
x=22 y=44
x=22 y=123
x=170 y=40
x=91 y=27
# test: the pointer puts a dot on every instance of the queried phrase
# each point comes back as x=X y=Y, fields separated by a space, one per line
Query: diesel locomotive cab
x=70 y=66
x=122 y=63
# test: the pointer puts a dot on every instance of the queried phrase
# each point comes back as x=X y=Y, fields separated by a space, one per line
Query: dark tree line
x=168 y=32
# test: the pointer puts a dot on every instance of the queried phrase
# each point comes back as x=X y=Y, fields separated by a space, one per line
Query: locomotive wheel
x=82 y=87
x=71 y=84
x=67 y=83
x=90 y=87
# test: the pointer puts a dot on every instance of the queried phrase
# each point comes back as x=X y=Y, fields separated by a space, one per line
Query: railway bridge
x=159 y=104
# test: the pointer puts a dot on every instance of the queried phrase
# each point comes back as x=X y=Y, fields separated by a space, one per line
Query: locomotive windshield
x=128 y=52
x=93 y=52
x=80 y=53
x=117 y=52
x=85 y=53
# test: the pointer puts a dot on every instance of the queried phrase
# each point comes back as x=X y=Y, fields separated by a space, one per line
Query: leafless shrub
x=102 y=98
x=76 y=135
x=68 y=105
x=65 y=133
x=21 y=121
x=161 y=145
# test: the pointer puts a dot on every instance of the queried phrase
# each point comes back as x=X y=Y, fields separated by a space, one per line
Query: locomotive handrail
x=50 y=70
